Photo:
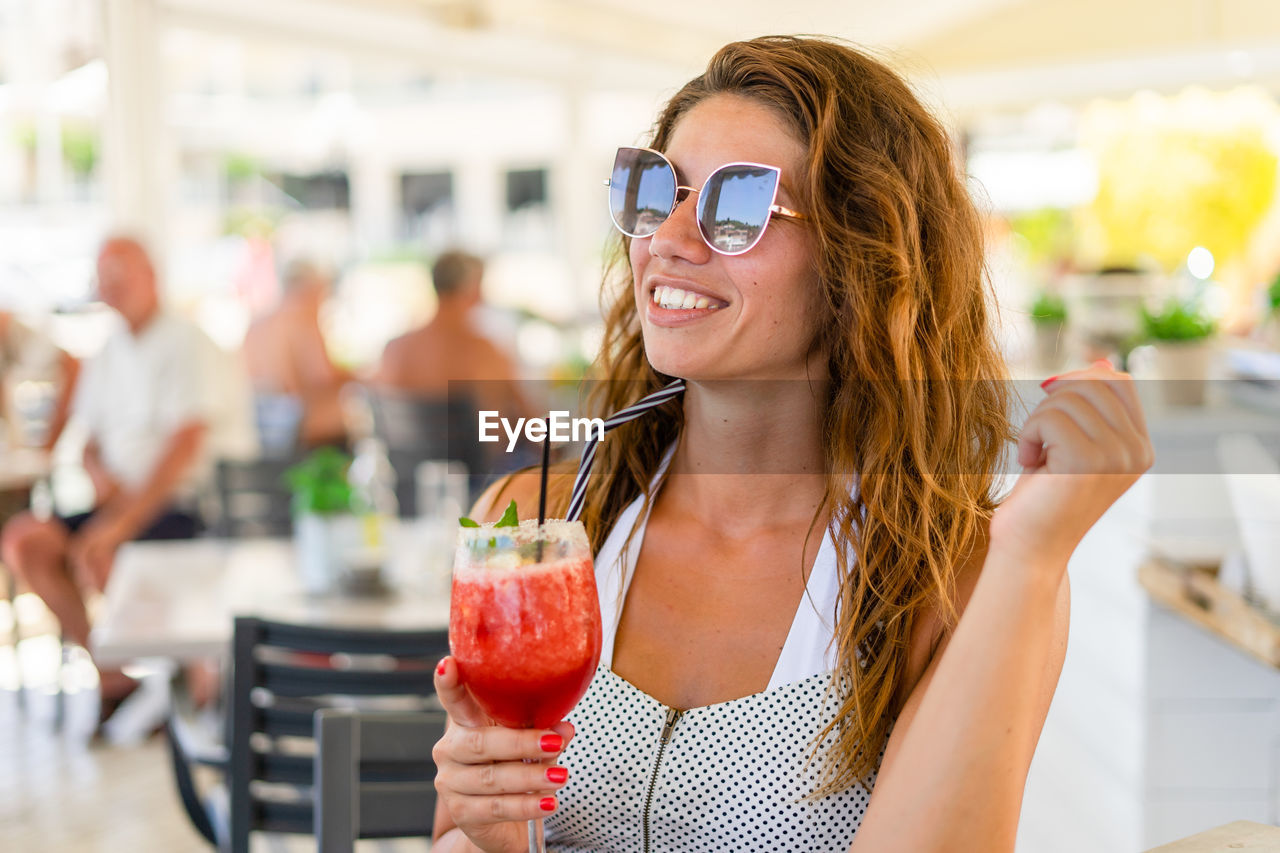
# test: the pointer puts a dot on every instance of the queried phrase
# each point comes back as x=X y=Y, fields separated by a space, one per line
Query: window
x=526 y=188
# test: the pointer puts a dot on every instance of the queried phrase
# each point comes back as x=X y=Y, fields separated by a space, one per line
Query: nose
x=679 y=236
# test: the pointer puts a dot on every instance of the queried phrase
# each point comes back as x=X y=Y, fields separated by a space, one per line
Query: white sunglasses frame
x=774 y=208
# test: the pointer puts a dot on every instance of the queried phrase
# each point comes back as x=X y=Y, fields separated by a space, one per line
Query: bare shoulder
x=522 y=487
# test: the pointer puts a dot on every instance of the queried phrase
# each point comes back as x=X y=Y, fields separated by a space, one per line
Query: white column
x=373 y=200
x=478 y=196
x=44 y=47
x=577 y=194
x=136 y=154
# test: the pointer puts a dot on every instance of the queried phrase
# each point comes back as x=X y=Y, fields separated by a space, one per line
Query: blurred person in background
x=285 y=353
x=147 y=401
x=26 y=353
x=423 y=361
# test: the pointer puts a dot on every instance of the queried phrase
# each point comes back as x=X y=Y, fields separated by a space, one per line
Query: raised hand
x=1084 y=445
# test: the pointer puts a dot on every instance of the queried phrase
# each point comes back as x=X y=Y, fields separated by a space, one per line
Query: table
x=178 y=599
x=1196 y=595
x=1241 y=835
x=22 y=467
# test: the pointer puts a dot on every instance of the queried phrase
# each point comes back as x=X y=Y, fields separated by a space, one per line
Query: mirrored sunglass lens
x=641 y=192
x=733 y=208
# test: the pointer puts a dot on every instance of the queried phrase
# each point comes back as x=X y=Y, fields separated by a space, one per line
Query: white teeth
x=675 y=299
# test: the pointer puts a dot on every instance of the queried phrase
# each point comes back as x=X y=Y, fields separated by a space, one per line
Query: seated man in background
x=146 y=401
x=285 y=353
x=422 y=362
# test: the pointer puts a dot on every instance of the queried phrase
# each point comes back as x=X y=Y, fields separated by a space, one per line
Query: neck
x=138 y=323
x=450 y=313
x=756 y=448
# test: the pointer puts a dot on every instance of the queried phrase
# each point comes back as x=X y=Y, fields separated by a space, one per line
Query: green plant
x=319 y=483
x=1048 y=309
x=80 y=149
x=1273 y=296
x=240 y=167
x=1046 y=236
x=1177 y=320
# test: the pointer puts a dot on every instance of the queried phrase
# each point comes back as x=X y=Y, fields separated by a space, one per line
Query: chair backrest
x=374 y=775
x=418 y=429
x=281 y=675
x=253 y=499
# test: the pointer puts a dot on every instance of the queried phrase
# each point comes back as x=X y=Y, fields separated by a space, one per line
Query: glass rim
x=557 y=530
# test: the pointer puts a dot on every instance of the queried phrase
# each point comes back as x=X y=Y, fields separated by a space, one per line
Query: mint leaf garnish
x=466 y=522
x=509 y=518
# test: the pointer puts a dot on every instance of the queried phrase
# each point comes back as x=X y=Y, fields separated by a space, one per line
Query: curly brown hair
x=916 y=417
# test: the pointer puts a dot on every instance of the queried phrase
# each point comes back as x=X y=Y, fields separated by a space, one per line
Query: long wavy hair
x=915 y=419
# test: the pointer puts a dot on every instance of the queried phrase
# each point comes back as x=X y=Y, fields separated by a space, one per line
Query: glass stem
x=536 y=841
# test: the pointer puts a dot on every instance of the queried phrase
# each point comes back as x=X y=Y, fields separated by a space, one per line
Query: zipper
x=673 y=717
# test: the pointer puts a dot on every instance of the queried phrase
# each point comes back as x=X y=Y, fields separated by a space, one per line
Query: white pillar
x=44 y=47
x=136 y=155
x=373 y=200
x=579 y=199
x=478 y=197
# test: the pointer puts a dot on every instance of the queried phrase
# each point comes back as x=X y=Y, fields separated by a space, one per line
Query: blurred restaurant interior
x=1126 y=154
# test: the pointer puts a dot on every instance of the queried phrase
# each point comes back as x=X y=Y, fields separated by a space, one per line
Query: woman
x=787 y=550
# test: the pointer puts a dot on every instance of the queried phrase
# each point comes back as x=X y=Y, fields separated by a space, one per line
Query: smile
x=675 y=299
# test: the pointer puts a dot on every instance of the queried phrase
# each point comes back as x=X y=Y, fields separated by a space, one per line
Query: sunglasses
x=734 y=204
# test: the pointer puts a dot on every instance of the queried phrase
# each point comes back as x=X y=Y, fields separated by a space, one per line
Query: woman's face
x=762 y=306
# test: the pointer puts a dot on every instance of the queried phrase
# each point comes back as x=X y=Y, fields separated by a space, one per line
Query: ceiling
x=971 y=54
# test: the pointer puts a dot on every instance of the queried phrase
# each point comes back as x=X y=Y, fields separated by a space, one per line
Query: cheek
x=639 y=256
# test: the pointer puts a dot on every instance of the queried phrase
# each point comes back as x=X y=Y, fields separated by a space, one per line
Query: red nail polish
x=1048 y=382
x=557 y=774
x=547 y=804
x=551 y=743
x=441 y=668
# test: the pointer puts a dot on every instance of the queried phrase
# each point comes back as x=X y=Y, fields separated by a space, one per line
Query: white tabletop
x=178 y=599
x=22 y=467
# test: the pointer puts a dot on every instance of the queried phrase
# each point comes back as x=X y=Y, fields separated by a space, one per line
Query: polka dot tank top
x=731 y=776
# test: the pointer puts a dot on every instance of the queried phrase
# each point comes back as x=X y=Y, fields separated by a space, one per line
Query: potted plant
x=323 y=523
x=1048 y=321
x=1180 y=334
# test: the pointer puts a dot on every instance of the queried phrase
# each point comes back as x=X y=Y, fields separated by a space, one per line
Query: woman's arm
x=957 y=761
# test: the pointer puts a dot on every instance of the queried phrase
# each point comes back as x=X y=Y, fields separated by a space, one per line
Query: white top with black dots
x=729 y=776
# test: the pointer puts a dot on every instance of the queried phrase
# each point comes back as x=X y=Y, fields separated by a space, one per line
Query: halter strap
x=579 y=495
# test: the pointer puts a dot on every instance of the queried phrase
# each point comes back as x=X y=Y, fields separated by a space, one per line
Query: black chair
x=418 y=429
x=374 y=775
x=281 y=676
x=253 y=499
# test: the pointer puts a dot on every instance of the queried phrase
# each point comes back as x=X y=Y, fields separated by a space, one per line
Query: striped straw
x=630 y=413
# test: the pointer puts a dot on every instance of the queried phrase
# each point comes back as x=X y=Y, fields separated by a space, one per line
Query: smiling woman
x=786 y=549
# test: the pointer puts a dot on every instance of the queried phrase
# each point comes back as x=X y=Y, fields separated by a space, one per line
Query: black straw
x=542 y=491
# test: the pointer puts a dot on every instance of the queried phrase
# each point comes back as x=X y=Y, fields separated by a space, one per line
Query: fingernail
x=557 y=774
x=1102 y=361
x=547 y=804
x=441 y=668
x=551 y=743
x=1048 y=382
